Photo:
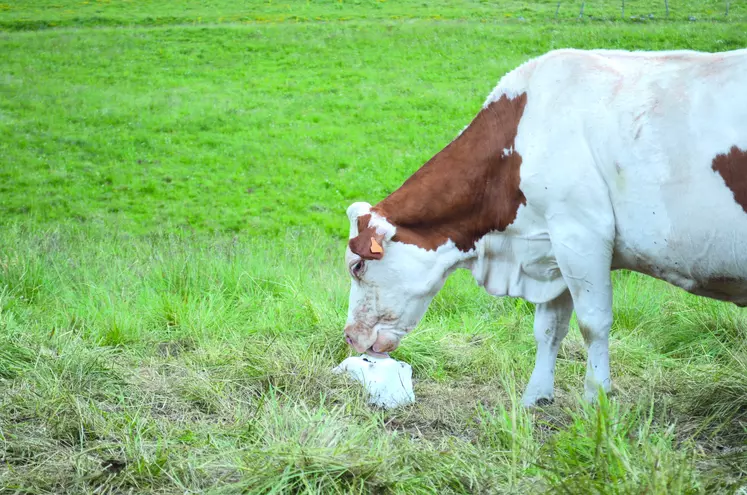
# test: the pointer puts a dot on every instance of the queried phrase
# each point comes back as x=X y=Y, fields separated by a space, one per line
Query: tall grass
x=175 y=363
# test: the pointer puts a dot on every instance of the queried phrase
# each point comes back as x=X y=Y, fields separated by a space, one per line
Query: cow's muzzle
x=370 y=341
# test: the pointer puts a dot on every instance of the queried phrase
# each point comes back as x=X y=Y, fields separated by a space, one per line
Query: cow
x=580 y=162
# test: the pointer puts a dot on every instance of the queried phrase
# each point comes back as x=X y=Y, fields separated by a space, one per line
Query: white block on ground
x=387 y=381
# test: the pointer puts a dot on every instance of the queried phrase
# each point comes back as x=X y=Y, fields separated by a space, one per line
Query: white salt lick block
x=387 y=381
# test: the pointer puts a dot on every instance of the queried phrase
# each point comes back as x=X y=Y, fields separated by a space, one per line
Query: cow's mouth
x=376 y=354
x=370 y=351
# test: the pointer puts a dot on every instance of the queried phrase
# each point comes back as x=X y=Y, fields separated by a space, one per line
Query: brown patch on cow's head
x=367 y=244
x=732 y=167
x=468 y=189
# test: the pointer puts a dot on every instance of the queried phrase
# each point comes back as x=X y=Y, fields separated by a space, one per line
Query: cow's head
x=401 y=251
x=392 y=282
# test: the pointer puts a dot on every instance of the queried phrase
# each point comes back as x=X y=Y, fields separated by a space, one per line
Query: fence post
x=727 y=7
x=622 y=14
x=556 y=10
x=581 y=14
x=666 y=4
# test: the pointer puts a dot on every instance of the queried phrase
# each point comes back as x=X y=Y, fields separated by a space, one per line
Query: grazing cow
x=579 y=163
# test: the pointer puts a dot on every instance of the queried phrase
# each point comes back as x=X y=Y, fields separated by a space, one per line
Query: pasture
x=173 y=185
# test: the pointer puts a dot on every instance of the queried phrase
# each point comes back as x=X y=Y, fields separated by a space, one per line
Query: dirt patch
x=444 y=410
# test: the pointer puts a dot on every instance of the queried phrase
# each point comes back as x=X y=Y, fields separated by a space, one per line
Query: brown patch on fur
x=362 y=244
x=468 y=189
x=732 y=167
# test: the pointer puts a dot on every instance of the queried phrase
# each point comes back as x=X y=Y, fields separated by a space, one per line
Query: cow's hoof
x=538 y=402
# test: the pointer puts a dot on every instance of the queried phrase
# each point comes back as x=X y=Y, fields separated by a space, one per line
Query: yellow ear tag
x=376 y=247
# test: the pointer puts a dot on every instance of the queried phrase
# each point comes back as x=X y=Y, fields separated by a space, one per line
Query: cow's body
x=581 y=162
x=642 y=131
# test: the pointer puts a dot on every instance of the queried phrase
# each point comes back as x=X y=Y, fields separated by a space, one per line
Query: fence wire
x=632 y=10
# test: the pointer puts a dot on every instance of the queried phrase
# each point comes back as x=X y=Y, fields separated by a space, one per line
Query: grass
x=170 y=363
x=239 y=128
x=173 y=181
x=44 y=14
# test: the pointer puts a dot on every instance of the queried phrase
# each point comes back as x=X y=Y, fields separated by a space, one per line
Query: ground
x=173 y=185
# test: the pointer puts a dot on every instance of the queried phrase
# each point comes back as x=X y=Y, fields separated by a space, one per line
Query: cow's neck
x=468 y=189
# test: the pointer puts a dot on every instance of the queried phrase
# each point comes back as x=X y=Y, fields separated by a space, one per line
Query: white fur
x=362 y=208
x=400 y=285
x=617 y=149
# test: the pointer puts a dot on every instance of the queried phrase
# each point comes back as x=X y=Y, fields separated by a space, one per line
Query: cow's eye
x=357 y=269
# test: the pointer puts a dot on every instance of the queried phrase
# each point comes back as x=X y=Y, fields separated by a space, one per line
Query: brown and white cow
x=579 y=163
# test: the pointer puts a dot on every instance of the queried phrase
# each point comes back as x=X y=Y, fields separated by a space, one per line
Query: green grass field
x=173 y=185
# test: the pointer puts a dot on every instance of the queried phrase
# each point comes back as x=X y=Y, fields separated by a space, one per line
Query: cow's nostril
x=348 y=340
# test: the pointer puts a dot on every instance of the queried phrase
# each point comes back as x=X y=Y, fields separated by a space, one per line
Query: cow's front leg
x=584 y=253
x=550 y=327
x=595 y=323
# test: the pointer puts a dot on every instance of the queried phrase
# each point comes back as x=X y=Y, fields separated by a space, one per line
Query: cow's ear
x=368 y=244
x=358 y=209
